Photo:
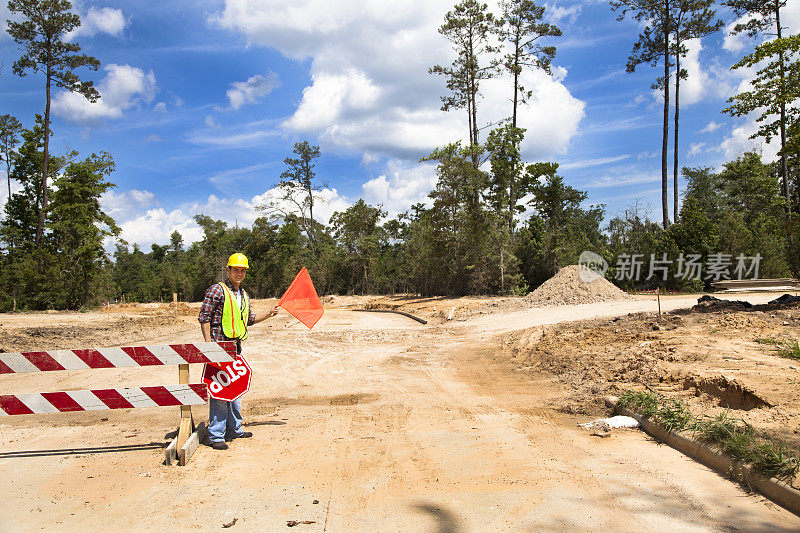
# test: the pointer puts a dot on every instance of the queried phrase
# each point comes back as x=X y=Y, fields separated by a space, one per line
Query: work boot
x=244 y=435
x=219 y=445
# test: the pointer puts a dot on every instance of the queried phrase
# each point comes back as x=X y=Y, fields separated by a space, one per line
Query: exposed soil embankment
x=714 y=360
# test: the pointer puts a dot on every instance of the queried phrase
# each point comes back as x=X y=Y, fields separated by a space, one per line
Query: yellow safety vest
x=234 y=318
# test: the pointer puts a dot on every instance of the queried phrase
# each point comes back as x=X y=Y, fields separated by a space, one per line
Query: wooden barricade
x=184 y=394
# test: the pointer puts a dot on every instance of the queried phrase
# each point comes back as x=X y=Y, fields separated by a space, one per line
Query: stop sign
x=227 y=381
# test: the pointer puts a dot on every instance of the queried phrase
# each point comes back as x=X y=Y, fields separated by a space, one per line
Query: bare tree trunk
x=502 y=271
x=8 y=173
x=677 y=114
x=311 y=235
x=469 y=117
x=512 y=200
x=43 y=210
x=665 y=130
x=784 y=165
x=474 y=138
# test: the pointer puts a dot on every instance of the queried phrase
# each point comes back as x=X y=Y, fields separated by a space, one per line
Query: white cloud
x=157 y=224
x=737 y=42
x=701 y=82
x=155 y=227
x=123 y=87
x=210 y=123
x=584 y=163
x=386 y=103
x=557 y=14
x=621 y=124
x=739 y=142
x=5 y=15
x=230 y=138
x=252 y=90
x=711 y=127
x=696 y=148
x=624 y=179
x=226 y=179
x=401 y=186
x=707 y=79
x=103 y=20
x=15 y=186
x=123 y=205
x=696 y=86
x=790 y=16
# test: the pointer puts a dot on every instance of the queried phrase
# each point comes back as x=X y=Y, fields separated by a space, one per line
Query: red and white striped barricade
x=184 y=394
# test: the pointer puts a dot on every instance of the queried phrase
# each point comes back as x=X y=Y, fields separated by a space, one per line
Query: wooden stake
x=658 y=296
x=175 y=303
x=187 y=424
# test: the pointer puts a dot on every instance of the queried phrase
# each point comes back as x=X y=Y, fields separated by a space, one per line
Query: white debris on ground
x=614 y=422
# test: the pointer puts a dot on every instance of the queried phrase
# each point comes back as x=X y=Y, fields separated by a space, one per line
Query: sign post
x=186 y=426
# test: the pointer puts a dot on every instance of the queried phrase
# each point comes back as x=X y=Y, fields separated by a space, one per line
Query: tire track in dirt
x=393 y=430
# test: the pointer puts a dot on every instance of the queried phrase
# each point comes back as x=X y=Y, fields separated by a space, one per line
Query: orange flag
x=301 y=300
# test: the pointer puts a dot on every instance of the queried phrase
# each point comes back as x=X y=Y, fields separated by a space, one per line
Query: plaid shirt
x=211 y=310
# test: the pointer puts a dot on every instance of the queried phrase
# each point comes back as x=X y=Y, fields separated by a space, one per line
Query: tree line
x=494 y=224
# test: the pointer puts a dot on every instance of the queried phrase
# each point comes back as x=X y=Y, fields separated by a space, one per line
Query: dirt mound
x=575 y=284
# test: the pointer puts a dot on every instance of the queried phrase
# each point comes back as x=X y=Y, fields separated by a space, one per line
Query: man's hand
x=263 y=316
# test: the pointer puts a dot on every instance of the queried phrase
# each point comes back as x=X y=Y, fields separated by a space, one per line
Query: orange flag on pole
x=301 y=300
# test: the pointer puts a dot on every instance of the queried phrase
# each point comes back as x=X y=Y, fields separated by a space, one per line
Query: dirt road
x=371 y=422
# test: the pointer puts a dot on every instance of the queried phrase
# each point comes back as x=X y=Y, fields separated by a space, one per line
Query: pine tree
x=653 y=46
x=763 y=14
x=79 y=227
x=41 y=38
x=10 y=127
x=774 y=92
x=297 y=186
x=468 y=27
x=522 y=29
x=693 y=19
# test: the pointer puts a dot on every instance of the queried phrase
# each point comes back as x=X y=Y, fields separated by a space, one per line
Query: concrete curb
x=776 y=490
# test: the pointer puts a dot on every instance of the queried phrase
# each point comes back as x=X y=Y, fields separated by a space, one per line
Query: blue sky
x=202 y=101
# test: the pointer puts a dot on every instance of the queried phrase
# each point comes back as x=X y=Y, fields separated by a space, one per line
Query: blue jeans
x=224 y=417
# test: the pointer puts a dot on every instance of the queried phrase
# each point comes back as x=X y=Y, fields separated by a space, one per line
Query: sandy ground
x=374 y=422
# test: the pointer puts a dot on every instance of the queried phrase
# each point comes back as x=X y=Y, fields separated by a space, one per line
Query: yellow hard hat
x=238 y=260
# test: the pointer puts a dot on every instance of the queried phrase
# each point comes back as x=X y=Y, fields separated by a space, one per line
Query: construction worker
x=224 y=316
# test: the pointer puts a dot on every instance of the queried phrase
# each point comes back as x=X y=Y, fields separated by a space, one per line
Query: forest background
x=496 y=224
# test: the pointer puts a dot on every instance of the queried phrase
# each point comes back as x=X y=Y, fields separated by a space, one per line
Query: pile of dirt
x=575 y=284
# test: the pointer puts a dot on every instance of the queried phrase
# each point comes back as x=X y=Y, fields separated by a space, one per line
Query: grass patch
x=789 y=348
x=674 y=415
x=767 y=340
x=644 y=403
x=769 y=456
